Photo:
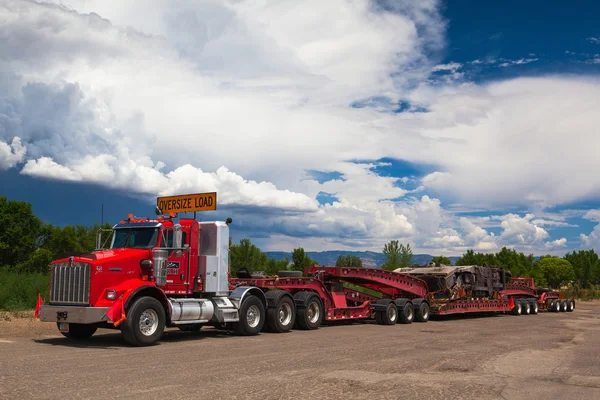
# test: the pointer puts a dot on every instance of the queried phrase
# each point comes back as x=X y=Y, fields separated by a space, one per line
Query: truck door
x=177 y=269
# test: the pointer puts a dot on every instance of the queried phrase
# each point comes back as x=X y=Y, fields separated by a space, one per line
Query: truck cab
x=152 y=274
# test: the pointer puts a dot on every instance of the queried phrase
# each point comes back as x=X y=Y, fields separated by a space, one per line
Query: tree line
x=27 y=245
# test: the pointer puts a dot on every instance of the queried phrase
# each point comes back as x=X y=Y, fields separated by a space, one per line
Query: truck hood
x=111 y=255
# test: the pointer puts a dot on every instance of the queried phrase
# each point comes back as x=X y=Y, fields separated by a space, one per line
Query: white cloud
x=242 y=97
x=558 y=243
x=11 y=155
x=594 y=40
x=592 y=215
x=521 y=61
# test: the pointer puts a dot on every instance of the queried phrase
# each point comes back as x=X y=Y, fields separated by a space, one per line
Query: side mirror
x=157 y=210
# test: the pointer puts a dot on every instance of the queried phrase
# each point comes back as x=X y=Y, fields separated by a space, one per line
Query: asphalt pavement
x=490 y=357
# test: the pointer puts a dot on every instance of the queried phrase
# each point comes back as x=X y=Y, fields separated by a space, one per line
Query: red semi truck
x=159 y=273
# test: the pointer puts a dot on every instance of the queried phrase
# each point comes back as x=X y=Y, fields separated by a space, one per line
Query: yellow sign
x=188 y=203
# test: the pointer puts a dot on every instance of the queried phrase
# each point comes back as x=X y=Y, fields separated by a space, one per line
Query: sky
x=338 y=125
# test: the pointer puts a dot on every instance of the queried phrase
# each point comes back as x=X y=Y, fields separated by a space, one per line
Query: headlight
x=111 y=294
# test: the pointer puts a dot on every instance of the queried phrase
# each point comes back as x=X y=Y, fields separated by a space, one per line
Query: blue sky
x=447 y=125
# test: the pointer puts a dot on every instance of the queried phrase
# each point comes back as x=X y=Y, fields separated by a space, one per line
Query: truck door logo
x=172 y=267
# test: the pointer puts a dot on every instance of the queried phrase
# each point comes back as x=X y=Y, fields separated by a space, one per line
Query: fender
x=238 y=295
x=382 y=304
x=273 y=297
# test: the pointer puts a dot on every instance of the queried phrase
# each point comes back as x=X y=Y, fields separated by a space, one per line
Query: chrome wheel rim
x=285 y=314
x=313 y=312
x=426 y=313
x=410 y=314
x=253 y=316
x=392 y=314
x=148 y=322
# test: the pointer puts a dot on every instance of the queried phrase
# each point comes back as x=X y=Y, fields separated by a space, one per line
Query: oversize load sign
x=188 y=203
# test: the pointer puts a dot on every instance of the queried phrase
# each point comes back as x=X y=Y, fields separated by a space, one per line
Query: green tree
x=397 y=255
x=586 y=265
x=38 y=262
x=19 y=231
x=348 y=261
x=441 y=260
x=300 y=260
x=274 y=266
x=556 y=270
x=246 y=255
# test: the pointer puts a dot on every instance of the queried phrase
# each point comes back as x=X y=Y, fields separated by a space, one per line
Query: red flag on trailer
x=511 y=303
x=38 y=306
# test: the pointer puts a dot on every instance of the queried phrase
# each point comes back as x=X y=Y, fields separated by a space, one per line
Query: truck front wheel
x=145 y=322
x=79 y=331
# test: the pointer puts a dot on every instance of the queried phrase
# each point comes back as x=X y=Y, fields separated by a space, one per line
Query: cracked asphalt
x=493 y=357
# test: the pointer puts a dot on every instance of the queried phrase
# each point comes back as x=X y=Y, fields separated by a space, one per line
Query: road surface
x=500 y=357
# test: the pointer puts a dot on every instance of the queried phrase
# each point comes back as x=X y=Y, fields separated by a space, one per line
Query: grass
x=18 y=292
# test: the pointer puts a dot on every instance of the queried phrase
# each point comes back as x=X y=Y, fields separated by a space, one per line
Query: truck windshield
x=134 y=238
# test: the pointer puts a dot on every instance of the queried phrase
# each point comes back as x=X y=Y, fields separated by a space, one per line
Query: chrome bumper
x=73 y=314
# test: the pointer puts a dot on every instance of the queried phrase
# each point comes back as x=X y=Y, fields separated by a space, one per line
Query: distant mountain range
x=369 y=259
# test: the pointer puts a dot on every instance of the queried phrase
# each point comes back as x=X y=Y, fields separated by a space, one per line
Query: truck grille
x=70 y=283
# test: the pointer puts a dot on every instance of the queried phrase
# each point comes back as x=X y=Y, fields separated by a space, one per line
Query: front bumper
x=73 y=314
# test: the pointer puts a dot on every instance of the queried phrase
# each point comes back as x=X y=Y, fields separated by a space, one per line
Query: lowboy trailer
x=159 y=273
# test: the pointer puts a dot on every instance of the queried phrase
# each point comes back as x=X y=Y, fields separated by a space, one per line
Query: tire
x=517 y=309
x=282 y=317
x=252 y=317
x=555 y=306
x=145 y=322
x=407 y=313
x=563 y=306
x=390 y=315
x=422 y=313
x=378 y=319
x=79 y=331
x=309 y=310
x=525 y=307
x=190 y=327
x=290 y=274
x=570 y=305
x=534 y=307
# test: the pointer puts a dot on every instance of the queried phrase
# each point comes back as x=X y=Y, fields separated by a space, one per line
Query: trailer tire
x=525 y=307
x=145 y=322
x=534 y=307
x=517 y=309
x=289 y=274
x=309 y=310
x=407 y=313
x=390 y=315
x=422 y=313
x=282 y=316
x=563 y=306
x=79 y=331
x=555 y=305
x=252 y=317
x=570 y=305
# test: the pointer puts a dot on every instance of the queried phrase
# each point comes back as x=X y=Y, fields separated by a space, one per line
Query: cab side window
x=169 y=242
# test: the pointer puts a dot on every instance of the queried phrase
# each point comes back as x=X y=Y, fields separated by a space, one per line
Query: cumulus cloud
x=11 y=155
x=243 y=97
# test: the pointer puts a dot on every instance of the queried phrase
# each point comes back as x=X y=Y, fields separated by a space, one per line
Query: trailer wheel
x=525 y=307
x=534 y=307
x=407 y=313
x=517 y=309
x=390 y=315
x=252 y=317
x=145 y=322
x=79 y=331
x=290 y=274
x=563 y=306
x=570 y=305
x=555 y=306
x=281 y=318
x=422 y=314
x=309 y=313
